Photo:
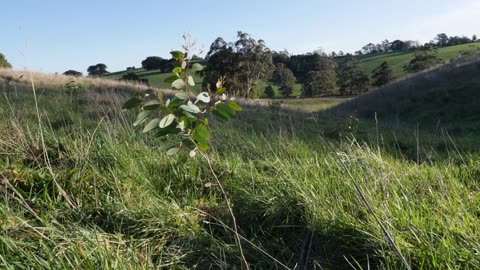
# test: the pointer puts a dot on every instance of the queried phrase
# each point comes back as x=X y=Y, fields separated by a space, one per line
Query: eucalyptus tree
x=242 y=64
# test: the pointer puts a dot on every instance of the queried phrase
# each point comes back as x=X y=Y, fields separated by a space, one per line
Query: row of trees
x=352 y=80
x=443 y=40
x=321 y=75
x=387 y=46
x=243 y=63
x=348 y=78
x=440 y=40
x=93 y=70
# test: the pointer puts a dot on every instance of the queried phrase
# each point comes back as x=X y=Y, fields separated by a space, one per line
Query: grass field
x=83 y=189
x=156 y=78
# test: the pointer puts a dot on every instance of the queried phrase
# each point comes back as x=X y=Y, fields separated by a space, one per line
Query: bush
x=73 y=73
x=268 y=92
x=383 y=74
x=319 y=83
x=97 y=70
x=351 y=78
x=155 y=62
x=132 y=76
x=424 y=58
x=284 y=77
x=3 y=62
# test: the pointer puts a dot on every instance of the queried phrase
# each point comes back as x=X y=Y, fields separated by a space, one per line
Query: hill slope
x=367 y=62
x=449 y=94
x=400 y=59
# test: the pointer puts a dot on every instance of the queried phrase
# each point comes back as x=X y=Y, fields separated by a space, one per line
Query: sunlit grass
x=135 y=208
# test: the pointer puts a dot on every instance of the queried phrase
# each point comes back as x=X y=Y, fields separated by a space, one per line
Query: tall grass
x=136 y=208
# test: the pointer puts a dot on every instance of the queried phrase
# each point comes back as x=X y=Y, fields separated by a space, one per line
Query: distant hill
x=367 y=63
x=398 y=60
x=155 y=77
x=449 y=94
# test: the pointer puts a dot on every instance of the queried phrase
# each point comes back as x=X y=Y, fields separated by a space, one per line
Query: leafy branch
x=184 y=117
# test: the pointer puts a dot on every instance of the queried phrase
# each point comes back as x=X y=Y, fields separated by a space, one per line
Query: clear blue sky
x=53 y=35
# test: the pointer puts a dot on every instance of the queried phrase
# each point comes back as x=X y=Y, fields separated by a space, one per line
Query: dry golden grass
x=55 y=81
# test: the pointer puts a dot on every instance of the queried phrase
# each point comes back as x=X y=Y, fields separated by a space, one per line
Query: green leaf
x=177 y=55
x=203 y=132
x=235 y=106
x=222 y=107
x=221 y=90
x=171 y=79
x=202 y=146
x=181 y=95
x=190 y=80
x=222 y=116
x=166 y=121
x=201 y=141
x=189 y=115
x=151 y=125
x=178 y=84
x=142 y=116
x=131 y=103
x=177 y=70
x=203 y=97
x=173 y=151
x=162 y=132
x=197 y=67
x=176 y=102
x=159 y=95
x=151 y=105
x=190 y=107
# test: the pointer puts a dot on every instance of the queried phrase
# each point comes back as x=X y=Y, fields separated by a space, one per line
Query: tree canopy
x=98 y=69
x=284 y=77
x=351 y=78
x=268 y=92
x=424 y=58
x=156 y=62
x=3 y=62
x=72 y=72
x=242 y=64
x=321 y=81
x=383 y=74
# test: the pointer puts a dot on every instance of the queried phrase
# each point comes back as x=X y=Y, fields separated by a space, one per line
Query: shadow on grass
x=284 y=232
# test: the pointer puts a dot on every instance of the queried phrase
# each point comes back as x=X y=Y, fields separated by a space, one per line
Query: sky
x=58 y=35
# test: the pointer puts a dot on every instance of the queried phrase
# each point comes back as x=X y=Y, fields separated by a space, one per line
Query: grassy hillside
x=398 y=60
x=367 y=62
x=155 y=78
x=449 y=94
x=83 y=189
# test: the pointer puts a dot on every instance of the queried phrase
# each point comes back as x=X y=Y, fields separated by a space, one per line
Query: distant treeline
x=242 y=64
x=440 y=40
